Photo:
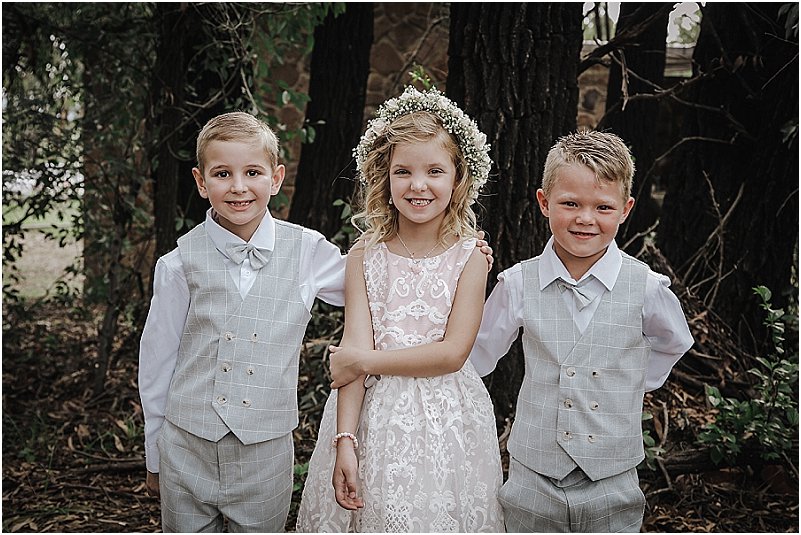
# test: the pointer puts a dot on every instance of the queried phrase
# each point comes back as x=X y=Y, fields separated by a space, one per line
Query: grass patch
x=61 y=216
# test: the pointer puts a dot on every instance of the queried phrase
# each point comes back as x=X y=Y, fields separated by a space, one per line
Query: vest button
x=226 y=367
x=250 y=370
x=566 y=435
x=246 y=403
x=591 y=438
x=596 y=374
x=570 y=372
x=229 y=336
x=569 y=403
x=221 y=400
x=255 y=336
x=594 y=405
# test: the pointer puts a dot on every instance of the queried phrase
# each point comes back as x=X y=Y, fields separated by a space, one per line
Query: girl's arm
x=358 y=333
x=428 y=360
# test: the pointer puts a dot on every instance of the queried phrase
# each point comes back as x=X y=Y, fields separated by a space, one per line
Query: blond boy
x=599 y=329
x=219 y=352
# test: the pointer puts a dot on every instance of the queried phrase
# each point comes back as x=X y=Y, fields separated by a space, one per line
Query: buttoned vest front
x=237 y=367
x=581 y=399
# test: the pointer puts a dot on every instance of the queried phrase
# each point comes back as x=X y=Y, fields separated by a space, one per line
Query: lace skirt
x=428 y=460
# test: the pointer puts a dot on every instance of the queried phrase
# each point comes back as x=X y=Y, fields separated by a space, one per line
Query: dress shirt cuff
x=152 y=456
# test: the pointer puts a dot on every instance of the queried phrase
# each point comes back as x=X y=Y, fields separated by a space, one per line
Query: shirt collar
x=263 y=238
x=606 y=269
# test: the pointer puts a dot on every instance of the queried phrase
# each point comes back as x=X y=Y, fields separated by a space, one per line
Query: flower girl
x=408 y=439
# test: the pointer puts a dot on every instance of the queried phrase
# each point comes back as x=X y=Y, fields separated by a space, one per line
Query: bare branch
x=627 y=36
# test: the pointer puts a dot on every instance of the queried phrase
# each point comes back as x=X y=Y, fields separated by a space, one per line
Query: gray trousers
x=535 y=503
x=202 y=483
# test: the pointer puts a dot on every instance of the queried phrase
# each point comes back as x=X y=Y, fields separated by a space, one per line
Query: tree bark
x=731 y=206
x=513 y=67
x=637 y=122
x=340 y=64
x=169 y=83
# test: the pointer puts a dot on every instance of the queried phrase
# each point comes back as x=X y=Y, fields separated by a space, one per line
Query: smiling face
x=238 y=180
x=584 y=215
x=422 y=176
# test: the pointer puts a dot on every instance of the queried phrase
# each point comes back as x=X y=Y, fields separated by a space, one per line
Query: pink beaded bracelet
x=345 y=435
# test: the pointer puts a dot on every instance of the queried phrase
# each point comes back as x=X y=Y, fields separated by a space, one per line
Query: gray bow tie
x=581 y=296
x=239 y=251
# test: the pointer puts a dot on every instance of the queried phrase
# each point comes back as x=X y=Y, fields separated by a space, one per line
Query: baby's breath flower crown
x=471 y=140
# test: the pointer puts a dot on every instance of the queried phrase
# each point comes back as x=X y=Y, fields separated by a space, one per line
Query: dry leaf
x=83 y=431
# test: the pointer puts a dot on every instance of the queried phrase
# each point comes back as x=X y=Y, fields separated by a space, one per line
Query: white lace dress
x=428 y=450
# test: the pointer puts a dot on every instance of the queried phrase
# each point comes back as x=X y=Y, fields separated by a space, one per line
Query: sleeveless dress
x=428 y=451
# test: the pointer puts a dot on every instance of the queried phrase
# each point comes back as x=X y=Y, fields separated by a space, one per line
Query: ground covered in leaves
x=73 y=460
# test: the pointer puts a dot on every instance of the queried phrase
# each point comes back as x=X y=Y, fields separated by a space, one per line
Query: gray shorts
x=203 y=482
x=535 y=503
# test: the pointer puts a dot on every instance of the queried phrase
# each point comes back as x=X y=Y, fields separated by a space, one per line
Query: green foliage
x=83 y=109
x=597 y=23
x=41 y=150
x=283 y=33
x=419 y=75
x=652 y=450
x=299 y=471
x=347 y=233
x=684 y=24
x=768 y=421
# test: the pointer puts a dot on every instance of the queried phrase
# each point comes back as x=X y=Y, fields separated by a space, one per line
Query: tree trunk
x=513 y=67
x=340 y=64
x=636 y=122
x=169 y=83
x=731 y=206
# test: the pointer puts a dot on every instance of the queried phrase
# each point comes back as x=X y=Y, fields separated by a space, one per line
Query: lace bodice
x=410 y=300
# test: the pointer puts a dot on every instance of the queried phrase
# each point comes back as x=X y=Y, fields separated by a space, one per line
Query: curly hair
x=374 y=216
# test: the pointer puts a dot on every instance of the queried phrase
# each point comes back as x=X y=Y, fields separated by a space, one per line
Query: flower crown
x=471 y=140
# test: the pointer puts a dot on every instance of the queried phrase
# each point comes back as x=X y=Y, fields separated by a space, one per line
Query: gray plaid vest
x=581 y=399
x=237 y=367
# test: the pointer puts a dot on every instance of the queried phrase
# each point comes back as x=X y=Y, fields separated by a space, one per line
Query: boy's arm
x=501 y=321
x=158 y=349
x=358 y=333
x=665 y=326
x=425 y=360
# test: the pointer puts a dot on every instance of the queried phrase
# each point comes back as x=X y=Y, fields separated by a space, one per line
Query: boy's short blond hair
x=604 y=153
x=237 y=126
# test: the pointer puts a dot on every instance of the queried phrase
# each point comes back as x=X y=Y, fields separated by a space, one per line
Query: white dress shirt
x=663 y=320
x=322 y=274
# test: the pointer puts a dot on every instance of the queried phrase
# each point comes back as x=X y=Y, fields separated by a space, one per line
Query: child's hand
x=152 y=484
x=345 y=479
x=346 y=365
x=485 y=248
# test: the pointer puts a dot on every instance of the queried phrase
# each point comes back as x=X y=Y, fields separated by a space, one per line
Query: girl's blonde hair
x=604 y=153
x=237 y=126
x=375 y=217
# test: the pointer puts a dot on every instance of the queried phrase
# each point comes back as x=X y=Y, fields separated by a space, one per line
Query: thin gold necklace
x=416 y=260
